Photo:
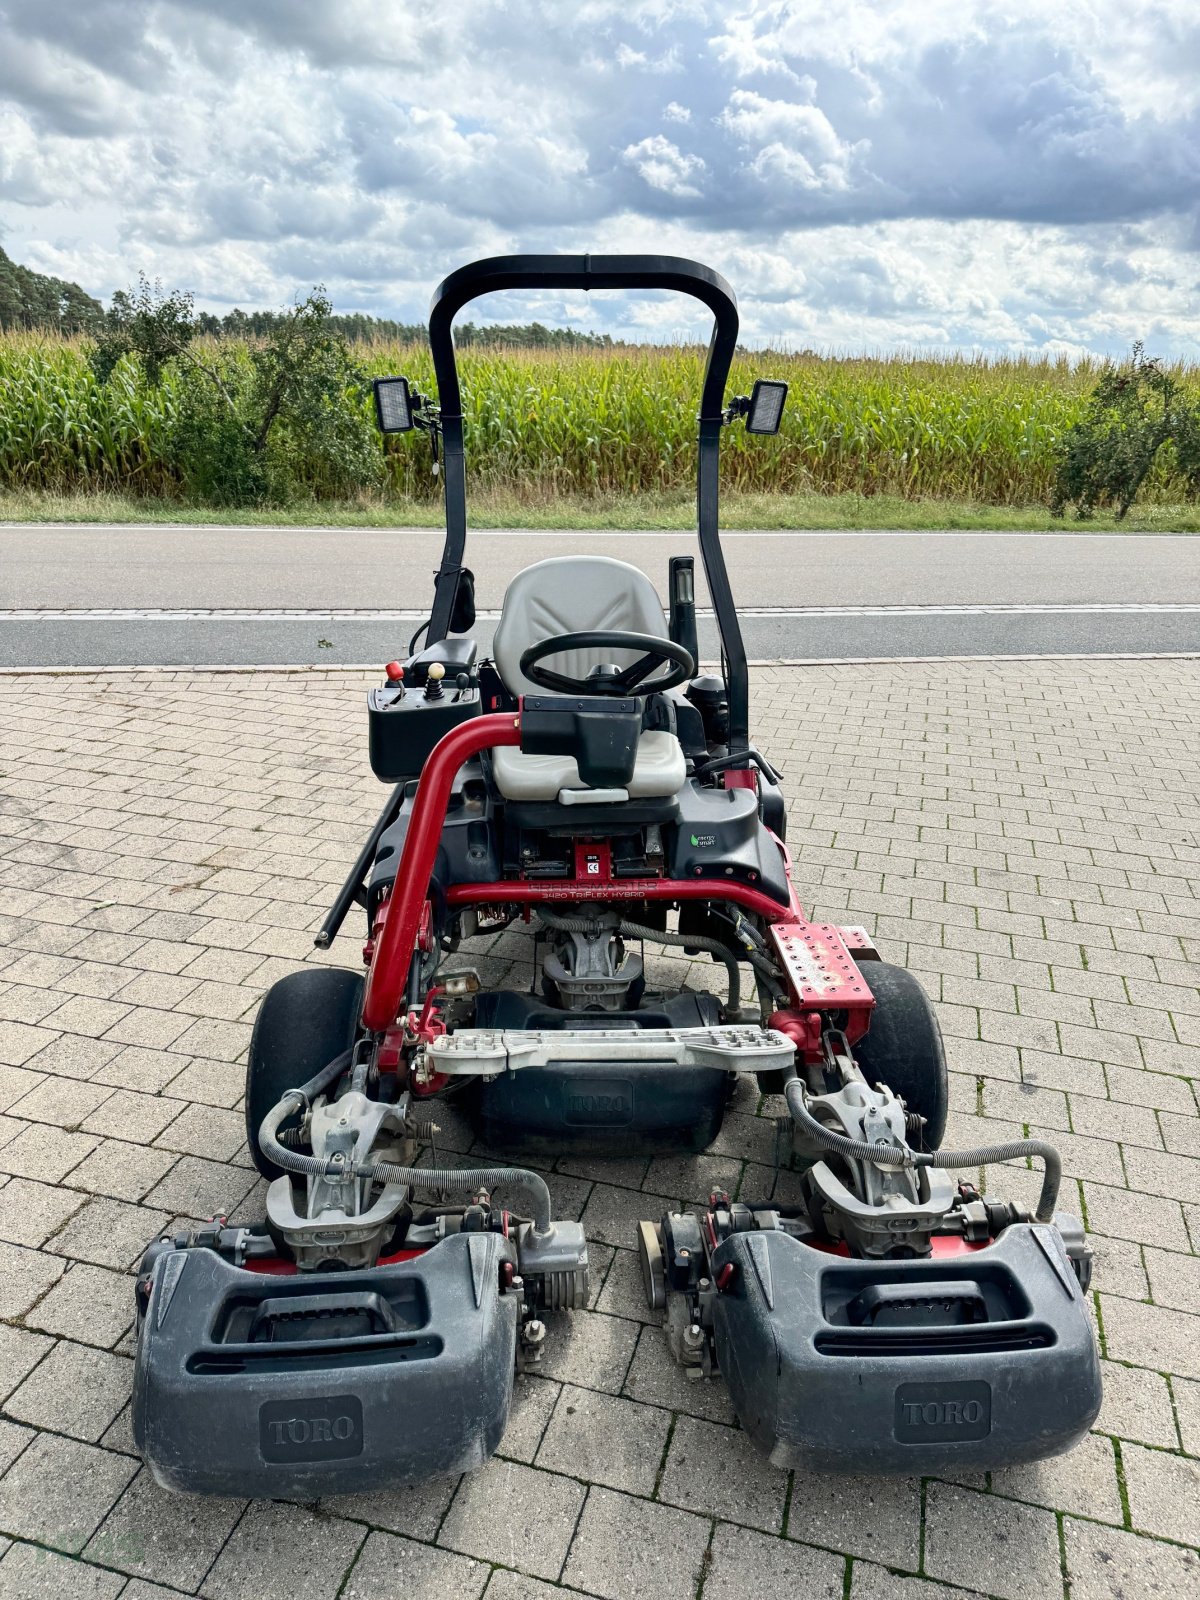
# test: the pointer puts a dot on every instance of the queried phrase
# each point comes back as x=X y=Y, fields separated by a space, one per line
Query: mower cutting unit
x=887 y=1318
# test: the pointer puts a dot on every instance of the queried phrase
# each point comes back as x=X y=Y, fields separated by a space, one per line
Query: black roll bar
x=598 y=272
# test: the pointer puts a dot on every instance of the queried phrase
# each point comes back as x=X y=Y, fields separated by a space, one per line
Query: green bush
x=146 y=325
x=212 y=445
x=1136 y=411
x=309 y=408
x=284 y=418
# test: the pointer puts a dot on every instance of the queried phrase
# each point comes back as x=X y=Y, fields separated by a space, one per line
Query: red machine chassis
x=815 y=957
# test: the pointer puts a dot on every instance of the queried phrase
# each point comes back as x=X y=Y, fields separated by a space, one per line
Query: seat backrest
x=571 y=594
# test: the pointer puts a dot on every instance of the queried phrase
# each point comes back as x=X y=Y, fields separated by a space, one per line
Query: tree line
x=360 y=328
x=30 y=300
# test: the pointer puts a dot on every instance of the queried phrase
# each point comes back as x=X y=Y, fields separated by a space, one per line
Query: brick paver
x=1023 y=835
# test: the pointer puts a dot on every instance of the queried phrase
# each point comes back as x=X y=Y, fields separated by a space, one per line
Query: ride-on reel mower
x=588 y=789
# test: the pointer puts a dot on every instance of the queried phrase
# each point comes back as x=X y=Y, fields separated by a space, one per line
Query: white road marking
x=354 y=669
x=781 y=613
x=184 y=528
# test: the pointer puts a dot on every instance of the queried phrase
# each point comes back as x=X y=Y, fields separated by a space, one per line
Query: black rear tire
x=305 y=1020
x=903 y=1048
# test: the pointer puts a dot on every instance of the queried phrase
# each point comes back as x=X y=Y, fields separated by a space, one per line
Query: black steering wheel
x=610 y=680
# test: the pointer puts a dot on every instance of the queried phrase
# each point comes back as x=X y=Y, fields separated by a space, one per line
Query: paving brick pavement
x=1022 y=834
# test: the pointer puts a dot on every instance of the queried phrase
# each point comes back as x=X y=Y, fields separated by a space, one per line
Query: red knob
x=395 y=672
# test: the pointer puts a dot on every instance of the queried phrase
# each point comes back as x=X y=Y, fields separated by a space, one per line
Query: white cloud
x=790 y=141
x=883 y=172
x=664 y=166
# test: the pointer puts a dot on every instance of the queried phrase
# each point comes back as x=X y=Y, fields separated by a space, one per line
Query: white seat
x=658 y=770
x=574 y=594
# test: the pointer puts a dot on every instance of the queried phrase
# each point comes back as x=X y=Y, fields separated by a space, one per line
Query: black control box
x=405 y=724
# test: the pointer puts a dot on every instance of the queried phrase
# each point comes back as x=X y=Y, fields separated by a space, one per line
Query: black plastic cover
x=961 y=1363
x=468 y=849
x=710 y=698
x=456 y=655
x=646 y=1108
x=404 y=1372
x=601 y=733
x=721 y=834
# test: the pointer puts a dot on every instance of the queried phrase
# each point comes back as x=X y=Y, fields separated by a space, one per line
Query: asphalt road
x=74 y=595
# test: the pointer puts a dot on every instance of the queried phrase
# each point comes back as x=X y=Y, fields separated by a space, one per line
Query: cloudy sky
x=868 y=173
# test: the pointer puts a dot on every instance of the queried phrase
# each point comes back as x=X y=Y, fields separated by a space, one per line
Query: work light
x=393 y=405
x=766 y=406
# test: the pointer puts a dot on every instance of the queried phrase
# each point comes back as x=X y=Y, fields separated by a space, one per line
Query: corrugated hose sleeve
x=830 y=1142
x=462 y=1178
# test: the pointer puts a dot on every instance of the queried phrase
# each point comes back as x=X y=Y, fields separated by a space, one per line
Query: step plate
x=471 y=1052
x=821 y=970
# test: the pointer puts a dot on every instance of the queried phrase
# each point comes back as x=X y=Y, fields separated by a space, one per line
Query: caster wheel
x=305 y=1020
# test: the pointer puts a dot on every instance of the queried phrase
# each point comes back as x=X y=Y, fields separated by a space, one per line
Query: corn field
x=546 y=422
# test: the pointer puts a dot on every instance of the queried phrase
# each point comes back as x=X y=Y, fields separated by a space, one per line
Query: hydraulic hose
x=830 y=1142
x=1018 y=1148
x=326 y=1077
x=469 y=1178
x=635 y=930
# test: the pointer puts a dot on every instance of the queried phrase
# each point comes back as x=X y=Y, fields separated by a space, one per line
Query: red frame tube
x=387 y=976
x=524 y=892
x=399 y=928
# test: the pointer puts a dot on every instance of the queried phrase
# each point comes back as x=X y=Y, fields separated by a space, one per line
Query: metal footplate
x=324 y=1382
x=480 y=1052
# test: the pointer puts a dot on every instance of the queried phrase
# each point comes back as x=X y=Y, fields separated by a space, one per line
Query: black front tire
x=903 y=1048
x=305 y=1020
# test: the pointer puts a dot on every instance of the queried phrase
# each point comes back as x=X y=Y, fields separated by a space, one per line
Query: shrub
x=1135 y=410
x=309 y=414
x=144 y=323
x=284 y=417
x=212 y=444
